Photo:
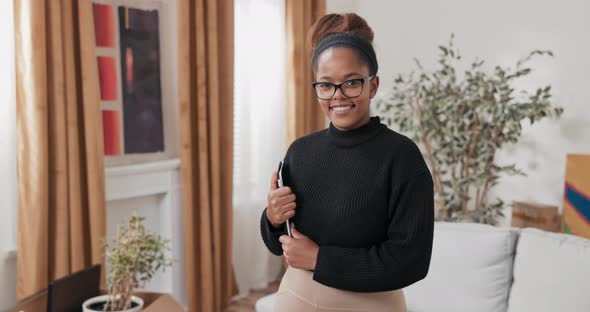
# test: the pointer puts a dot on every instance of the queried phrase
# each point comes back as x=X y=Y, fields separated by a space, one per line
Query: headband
x=347 y=38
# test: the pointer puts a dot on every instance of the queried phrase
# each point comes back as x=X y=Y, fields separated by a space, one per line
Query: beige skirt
x=298 y=292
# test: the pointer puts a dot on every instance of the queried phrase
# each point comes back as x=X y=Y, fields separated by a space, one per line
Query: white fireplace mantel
x=141 y=179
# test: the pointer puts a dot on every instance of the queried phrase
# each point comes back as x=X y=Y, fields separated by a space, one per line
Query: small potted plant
x=135 y=257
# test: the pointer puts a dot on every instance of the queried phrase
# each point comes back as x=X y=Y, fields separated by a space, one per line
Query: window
x=259 y=130
x=259 y=94
x=8 y=191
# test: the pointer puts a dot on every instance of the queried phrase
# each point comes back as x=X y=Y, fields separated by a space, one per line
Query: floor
x=247 y=304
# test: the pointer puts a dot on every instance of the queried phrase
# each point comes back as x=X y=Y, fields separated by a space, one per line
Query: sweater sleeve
x=270 y=235
x=399 y=261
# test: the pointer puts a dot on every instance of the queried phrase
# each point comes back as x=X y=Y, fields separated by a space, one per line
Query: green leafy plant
x=460 y=121
x=135 y=257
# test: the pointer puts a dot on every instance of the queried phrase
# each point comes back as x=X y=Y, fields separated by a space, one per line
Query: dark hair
x=343 y=30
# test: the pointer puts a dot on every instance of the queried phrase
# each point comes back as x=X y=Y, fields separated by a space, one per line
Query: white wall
x=7 y=158
x=500 y=32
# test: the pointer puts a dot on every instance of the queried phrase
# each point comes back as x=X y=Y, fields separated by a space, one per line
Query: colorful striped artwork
x=143 y=123
x=129 y=74
x=111 y=125
x=104 y=25
x=576 y=201
x=107 y=76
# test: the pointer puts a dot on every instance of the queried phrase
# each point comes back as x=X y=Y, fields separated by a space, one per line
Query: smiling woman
x=344 y=60
x=362 y=193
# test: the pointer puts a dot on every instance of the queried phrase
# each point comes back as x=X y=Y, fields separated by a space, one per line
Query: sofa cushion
x=551 y=273
x=470 y=270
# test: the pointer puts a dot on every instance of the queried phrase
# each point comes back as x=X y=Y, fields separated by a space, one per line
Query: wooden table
x=153 y=301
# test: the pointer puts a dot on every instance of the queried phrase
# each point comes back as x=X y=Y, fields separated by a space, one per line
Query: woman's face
x=337 y=65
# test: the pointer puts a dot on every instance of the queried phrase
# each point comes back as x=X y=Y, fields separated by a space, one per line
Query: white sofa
x=481 y=268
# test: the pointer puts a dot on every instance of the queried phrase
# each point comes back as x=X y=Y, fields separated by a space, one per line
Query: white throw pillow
x=551 y=273
x=470 y=270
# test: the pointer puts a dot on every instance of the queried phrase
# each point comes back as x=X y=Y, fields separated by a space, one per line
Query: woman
x=363 y=193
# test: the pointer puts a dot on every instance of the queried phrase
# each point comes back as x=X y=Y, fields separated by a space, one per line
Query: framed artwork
x=130 y=66
x=576 y=197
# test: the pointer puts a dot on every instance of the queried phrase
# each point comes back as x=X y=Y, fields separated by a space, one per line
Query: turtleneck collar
x=353 y=137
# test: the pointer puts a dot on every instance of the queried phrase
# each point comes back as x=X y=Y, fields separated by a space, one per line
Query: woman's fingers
x=280 y=201
x=283 y=200
x=274 y=181
x=282 y=191
x=287 y=215
x=288 y=207
x=286 y=211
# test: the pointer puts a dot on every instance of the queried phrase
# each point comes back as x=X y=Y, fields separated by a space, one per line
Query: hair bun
x=339 y=23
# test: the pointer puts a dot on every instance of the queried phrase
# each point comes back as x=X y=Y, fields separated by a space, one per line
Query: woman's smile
x=341 y=110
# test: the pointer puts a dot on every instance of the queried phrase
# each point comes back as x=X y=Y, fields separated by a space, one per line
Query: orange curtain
x=304 y=114
x=61 y=201
x=206 y=29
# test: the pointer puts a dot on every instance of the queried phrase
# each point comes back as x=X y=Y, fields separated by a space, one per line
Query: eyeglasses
x=350 y=88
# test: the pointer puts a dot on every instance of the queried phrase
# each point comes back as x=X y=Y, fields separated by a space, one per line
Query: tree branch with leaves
x=461 y=122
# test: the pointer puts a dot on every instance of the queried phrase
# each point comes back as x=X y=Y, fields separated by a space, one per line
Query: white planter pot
x=104 y=298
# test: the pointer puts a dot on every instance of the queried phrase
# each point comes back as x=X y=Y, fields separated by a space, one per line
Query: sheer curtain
x=259 y=132
x=8 y=180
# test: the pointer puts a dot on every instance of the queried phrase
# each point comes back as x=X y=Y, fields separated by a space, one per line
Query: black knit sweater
x=365 y=196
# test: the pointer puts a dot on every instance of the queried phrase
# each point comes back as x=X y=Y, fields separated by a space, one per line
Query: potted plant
x=135 y=257
x=460 y=121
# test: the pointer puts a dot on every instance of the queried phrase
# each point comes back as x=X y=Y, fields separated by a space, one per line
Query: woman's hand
x=300 y=251
x=280 y=202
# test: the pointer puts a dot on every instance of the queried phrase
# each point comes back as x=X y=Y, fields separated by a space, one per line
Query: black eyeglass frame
x=339 y=86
